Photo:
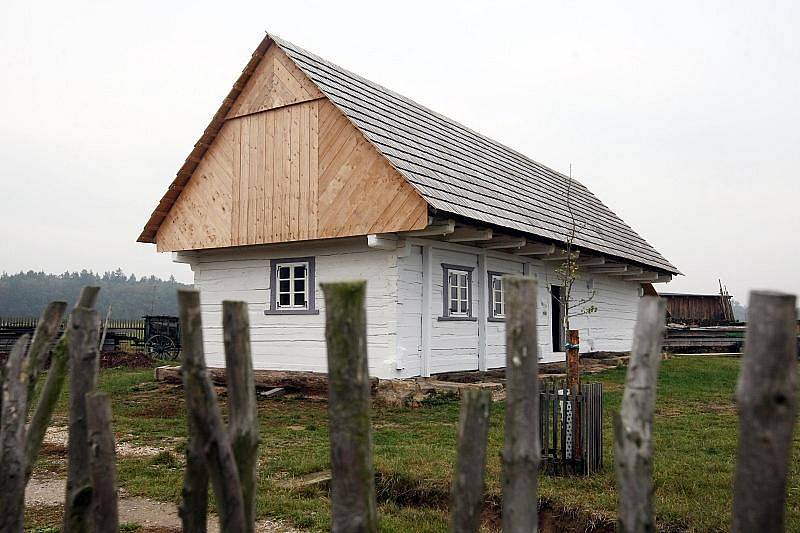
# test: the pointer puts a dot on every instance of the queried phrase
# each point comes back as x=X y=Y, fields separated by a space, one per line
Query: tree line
x=25 y=294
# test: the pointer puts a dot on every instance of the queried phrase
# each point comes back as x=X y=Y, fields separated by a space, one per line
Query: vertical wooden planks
x=633 y=427
x=235 y=126
x=521 y=446
x=313 y=169
x=353 y=506
x=303 y=207
x=269 y=173
x=260 y=169
x=766 y=398
x=294 y=173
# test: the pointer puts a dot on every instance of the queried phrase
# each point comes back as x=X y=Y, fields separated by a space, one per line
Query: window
x=497 y=299
x=292 y=286
x=457 y=293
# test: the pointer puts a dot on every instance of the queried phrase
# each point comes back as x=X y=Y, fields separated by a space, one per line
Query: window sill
x=291 y=311
x=495 y=319
x=457 y=319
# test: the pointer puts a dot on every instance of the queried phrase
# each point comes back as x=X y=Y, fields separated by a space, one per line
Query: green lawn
x=414 y=452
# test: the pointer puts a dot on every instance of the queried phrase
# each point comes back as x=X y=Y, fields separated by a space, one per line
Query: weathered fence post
x=84 y=327
x=12 y=438
x=633 y=426
x=206 y=420
x=242 y=408
x=48 y=398
x=46 y=330
x=59 y=367
x=521 y=449
x=468 y=482
x=766 y=399
x=353 y=507
x=102 y=462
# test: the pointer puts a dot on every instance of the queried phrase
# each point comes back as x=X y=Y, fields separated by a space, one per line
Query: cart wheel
x=161 y=347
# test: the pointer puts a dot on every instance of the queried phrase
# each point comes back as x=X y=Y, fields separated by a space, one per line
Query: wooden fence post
x=766 y=399
x=468 y=483
x=633 y=426
x=59 y=367
x=353 y=506
x=12 y=438
x=103 y=463
x=521 y=449
x=206 y=419
x=46 y=330
x=242 y=408
x=42 y=414
x=84 y=327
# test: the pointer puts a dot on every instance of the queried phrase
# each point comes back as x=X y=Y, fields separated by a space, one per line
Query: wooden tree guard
x=353 y=506
x=766 y=398
x=242 y=409
x=633 y=427
x=83 y=336
x=102 y=462
x=468 y=482
x=206 y=422
x=521 y=449
x=12 y=438
x=574 y=387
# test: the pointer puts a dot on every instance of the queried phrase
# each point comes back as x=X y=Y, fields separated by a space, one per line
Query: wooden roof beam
x=609 y=268
x=646 y=276
x=433 y=230
x=469 y=234
x=559 y=256
x=501 y=242
x=631 y=271
x=536 y=248
x=663 y=278
x=589 y=261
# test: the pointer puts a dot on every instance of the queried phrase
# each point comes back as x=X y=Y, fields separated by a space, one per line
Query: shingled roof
x=459 y=171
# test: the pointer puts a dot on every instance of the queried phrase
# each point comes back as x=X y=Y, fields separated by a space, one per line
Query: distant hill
x=26 y=294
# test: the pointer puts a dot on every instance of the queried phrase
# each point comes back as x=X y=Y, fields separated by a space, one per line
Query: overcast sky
x=683 y=117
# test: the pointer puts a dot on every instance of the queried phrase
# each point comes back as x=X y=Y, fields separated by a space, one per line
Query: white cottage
x=309 y=173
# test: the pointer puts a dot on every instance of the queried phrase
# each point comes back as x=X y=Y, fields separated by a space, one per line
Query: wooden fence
x=121 y=334
x=226 y=456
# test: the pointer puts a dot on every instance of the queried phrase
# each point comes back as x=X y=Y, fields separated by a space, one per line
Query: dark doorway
x=556 y=315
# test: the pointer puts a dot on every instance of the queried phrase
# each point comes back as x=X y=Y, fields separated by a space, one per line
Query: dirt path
x=147 y=513
x=47 y=491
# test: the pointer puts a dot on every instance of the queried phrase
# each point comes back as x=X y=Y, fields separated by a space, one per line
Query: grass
x=695 y=440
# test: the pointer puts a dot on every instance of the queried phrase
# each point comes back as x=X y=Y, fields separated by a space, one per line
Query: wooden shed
x=310 y=173
x=699 y=309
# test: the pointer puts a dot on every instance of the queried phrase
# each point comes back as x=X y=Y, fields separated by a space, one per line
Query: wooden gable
x=286 y=166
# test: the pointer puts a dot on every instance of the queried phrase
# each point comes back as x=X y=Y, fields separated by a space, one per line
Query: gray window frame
x=491 y=317
x=446 y=317
x=311 y=288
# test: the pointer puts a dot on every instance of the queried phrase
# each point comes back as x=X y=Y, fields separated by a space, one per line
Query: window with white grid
x=497 y=296
x=458 y=292
x=292 y=286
